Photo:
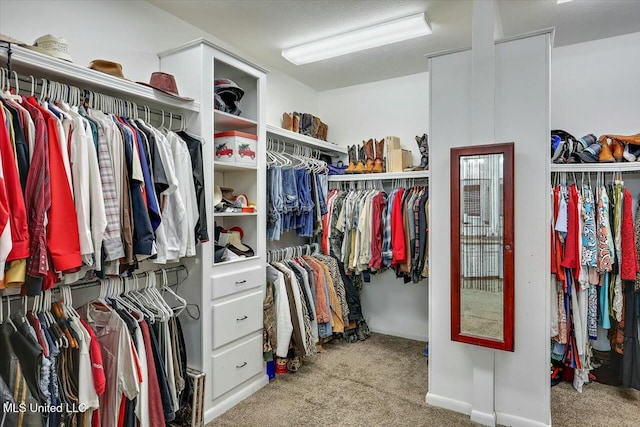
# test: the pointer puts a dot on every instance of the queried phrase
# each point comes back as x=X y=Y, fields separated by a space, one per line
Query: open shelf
x=378 y=176
x=305 y=141
x=225 y=122
x=597 y=167
x=31 y=62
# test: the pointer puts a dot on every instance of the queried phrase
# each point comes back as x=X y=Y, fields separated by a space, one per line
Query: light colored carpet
x=383 y=382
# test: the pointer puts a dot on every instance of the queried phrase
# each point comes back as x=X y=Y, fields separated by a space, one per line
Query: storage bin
x=243 y=146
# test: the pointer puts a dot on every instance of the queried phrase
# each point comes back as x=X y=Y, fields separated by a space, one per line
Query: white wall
x=595 y=86
x=132 y=33
x=285 y=94
x=398 y=107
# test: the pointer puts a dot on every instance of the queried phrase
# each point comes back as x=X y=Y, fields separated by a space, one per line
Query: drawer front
x=236 y=318
x=227 y=284
x=236 y=365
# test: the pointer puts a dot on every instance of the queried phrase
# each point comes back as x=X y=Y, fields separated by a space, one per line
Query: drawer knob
x=242 y=318
x=241 y=366
x=241 y=282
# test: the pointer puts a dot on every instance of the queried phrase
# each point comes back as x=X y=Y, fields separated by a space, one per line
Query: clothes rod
x=28 y=86
x=85 y=284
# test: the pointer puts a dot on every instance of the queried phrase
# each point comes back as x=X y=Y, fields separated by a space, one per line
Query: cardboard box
x=391 y=143
x=399 y=160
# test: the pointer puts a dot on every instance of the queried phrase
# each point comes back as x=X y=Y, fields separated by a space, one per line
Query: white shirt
x=182 y=161
x=284 y=327
x=173 y=209
x=87 y=395
x=142 y=403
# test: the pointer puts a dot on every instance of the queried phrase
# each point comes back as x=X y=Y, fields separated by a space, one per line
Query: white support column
x=483 y=79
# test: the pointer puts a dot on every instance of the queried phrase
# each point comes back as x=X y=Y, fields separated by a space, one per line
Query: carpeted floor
x=383 y=382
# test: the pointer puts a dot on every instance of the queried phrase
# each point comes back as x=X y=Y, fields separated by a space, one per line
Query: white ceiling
x=262 y=28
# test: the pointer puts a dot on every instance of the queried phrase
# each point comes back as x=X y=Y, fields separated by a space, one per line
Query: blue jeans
x=275 y=203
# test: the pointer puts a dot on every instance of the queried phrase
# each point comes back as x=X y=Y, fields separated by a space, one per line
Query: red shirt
x=15 y=199
x=95 y=354
x=62 y=229
x=397 y=231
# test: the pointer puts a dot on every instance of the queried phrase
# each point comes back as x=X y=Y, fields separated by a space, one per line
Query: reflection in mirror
x=481 y=246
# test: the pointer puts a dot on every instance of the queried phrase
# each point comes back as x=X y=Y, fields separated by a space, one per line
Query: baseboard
x=222 y=405
x=484 y=418
x=400 y=334
x=514 y=420
x=448 y=403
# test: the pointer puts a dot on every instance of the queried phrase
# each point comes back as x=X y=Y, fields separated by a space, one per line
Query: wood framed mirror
x=482 y=245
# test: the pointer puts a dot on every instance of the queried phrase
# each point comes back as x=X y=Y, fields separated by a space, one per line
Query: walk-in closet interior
x=199 y=219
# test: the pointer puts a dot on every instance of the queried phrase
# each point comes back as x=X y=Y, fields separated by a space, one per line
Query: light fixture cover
x=564 y=1
x=362 y=39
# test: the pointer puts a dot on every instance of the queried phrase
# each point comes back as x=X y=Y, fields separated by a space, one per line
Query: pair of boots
x=364 y=159
x=305 y=124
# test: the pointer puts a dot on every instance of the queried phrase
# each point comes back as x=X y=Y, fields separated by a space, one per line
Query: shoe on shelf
x=591 y=154
x=369 y=155
x=295 y=123
x=360 y=166
x=627 y=154
x=378 y=166
x=287 y=121
x=585 y=142
x=353 y=159
x=606 y=156
x=618 y=150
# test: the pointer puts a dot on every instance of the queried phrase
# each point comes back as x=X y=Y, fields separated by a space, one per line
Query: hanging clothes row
x=119 y=360
x=84 y=190
x=595 y=275
x=308 y=297
x=297 y=192
x=370 y=230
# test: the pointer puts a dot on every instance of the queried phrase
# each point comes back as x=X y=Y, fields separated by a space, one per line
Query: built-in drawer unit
x=236 y=365
x=236 y=318
x=230 y=283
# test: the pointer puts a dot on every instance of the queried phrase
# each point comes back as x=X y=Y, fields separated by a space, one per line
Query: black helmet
x=227 y=96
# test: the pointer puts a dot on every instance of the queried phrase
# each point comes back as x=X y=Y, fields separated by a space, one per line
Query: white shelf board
x=378 y=176
x=306 y=141
x=224 y=122
x=233 y=261
x=225 y=167
x=39 y=65
x=223 y=214
x=597 y=167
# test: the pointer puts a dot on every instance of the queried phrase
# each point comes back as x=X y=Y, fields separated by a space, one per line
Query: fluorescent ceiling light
x=355 y=41
x=564 y=1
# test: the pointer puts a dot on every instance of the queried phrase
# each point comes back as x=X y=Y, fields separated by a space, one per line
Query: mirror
x=482 y=252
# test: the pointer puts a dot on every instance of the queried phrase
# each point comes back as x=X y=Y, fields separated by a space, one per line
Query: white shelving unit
x=305 y=141
x=378 y=176
x=226 y=343
x=29 y=62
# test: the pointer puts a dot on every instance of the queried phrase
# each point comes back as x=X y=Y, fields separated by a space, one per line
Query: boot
x=306 y=124
x=605 y=153
x=295 y=124
x=360 y=167
x=378 y=164
x=629 y=139
x=323 y=131
x=352 y=159
x=423 y=145
x=618 y=150
x=368 y=150
x=315 y=126
x=287 y=121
